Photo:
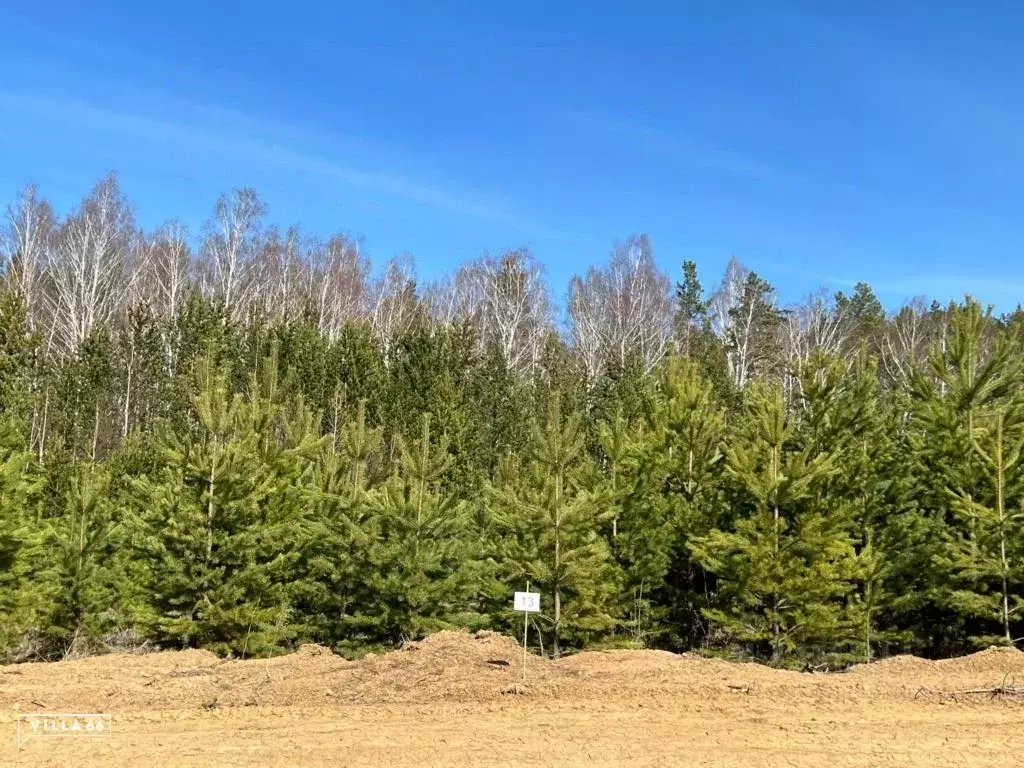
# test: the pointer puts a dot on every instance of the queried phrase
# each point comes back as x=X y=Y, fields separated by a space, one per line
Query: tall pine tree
x=548 y=521
x=784 y=562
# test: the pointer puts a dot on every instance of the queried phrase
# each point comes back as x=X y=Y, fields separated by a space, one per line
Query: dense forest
x=245 y=438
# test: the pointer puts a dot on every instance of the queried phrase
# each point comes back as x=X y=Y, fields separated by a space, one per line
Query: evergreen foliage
x=250 y=466
x=548 y=519
x=784 y=560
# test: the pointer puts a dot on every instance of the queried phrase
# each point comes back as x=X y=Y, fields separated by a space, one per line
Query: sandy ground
x=457 y=700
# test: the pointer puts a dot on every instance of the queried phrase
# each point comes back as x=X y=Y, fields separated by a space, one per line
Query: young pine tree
x=81 y=544
x=333 y=593
x=989 y=559
x=845 y=414
x=21 y=552
x=691 y=321
x=615 y=438
x=967 y=387
x=674 y=495
x=18 y=360
x=785 y=561
x=888 y=528
x=548 y=525
x=421 y=570
x=220 y=523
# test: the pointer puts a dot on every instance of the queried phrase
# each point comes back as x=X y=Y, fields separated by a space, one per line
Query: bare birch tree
x=279 y=279
x=455 y=297
x=168 y=269
x=230 y=247
x=89 y=265
x=908 y=335
x=391 y=301
x=441 y=300
x=337 y=282
x=165 y=280
x=622 y=310
x=25 y=246
x=814 y=325
x=726 y=298
x=587 y=320
x=507 y=298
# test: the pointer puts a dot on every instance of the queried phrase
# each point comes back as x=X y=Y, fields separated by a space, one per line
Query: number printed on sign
x=527 y=601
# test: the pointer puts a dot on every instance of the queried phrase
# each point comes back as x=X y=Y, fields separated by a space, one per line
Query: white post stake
x=526 y=629
x=528 y=602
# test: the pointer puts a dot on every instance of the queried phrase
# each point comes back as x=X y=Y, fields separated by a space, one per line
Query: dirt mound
x=627 y=670
x=447 y=666
x=454 y=699
x=991 y=661
x=464 y=646
x=640 y=674
x=304 y=656
x=604 y=660
x=460 y=668
x=628 y=662
x=153 y=660
x=892 y=665
x=994 y=660
x=312 y=649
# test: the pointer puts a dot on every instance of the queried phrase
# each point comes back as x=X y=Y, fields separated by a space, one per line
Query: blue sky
x=820 y=143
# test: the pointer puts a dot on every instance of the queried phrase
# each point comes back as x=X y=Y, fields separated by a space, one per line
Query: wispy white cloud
x=210 y=132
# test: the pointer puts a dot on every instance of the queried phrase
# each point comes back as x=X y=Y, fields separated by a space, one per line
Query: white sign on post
x=528 y=602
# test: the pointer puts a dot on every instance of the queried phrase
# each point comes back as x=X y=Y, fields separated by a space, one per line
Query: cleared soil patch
x=457 y=699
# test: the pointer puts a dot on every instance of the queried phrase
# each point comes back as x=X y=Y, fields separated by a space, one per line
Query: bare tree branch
x=338 y=282
x=26 y=244
x=391 y=302
x=621 y=310
x=233 y=239
x=89 y=266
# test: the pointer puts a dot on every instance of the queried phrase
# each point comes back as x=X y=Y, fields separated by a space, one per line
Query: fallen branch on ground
x=1006 y=689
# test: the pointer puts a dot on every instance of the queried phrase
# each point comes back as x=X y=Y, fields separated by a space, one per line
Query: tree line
x=244 y=440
